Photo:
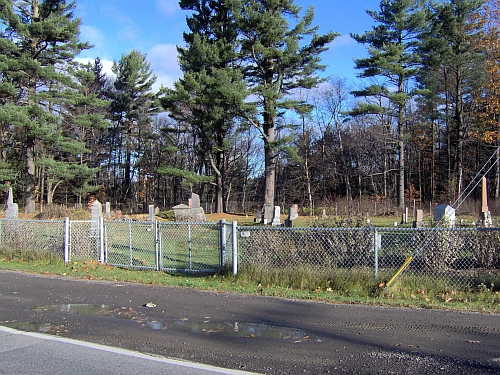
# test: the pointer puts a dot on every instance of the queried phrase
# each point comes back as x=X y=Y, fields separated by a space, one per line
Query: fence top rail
x=301 y=229
x=125 y=221
x=367 y=228
x=437 y=229
x=187 y=223
x=32 y=220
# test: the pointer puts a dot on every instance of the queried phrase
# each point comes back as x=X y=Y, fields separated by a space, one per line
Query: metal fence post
x=235 y=248
x=223 y=242
x=101 y=239
x=159 y=244
x=190 y=249
x=66 y=240
x=131 y=258
x=157 y=249
x=377 y=245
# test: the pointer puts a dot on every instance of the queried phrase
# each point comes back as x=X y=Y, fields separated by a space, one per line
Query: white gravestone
x=276 y=217
x=445 y=214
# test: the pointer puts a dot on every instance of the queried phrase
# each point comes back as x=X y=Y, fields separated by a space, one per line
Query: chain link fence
x=459 y=256
x=38 y=236
x=83 y=241
x=190 y=247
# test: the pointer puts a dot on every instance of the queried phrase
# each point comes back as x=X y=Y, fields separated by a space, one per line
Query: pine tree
x=132 y=105
x=393 y=61
x=486 y=97
x=453 y=68
x=278 y=58
x=39 y=39
x=85 y=121
x=211 y=92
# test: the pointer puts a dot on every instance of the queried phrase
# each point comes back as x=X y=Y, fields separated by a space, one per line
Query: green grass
x=135 y=246
x=354 y=286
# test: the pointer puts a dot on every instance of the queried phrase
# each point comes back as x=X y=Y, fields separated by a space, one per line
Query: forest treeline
x=253 y=118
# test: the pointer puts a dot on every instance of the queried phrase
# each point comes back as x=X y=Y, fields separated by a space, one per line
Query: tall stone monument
x=12 y=210
x=486 y=220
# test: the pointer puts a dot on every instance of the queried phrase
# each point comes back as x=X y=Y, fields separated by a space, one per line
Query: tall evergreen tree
x=86 y=122
x=132 y=105
x=212 y=90
x=278 y=58
x=394 y=62
x=454 y=66
x=39 y=39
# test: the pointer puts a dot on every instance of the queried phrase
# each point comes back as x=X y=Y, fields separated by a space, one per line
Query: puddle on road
x=28 y=326
x=236 y=329
x=207 y=327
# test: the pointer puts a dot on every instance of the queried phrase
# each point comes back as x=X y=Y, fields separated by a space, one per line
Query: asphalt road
x=29 y=353
x=252 y=333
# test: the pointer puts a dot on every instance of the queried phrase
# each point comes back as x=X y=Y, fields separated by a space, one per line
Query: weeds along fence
x=460 y=256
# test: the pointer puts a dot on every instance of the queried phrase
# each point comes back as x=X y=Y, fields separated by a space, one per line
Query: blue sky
x=155 y=27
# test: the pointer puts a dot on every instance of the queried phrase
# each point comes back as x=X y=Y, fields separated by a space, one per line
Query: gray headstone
x=96 y=211
x=195 y=199
x=420 y=216
x=291 y=213
x=258 y=217
x=324 y=214
x=445 y=214
x=268 y=213
x=295 y=212
x=419 y=219
x=95 y=215
x=276 y=216
x=151 y=216
x=107 y=210
x=182 y=212
x=197 y=212
x=12 y=211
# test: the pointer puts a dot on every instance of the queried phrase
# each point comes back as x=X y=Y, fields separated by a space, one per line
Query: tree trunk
x=460 y=134
x=29 y=202
x=269 y=156
x=305 y=137
x=217 y=167
x=401 y=151
x=344 y=162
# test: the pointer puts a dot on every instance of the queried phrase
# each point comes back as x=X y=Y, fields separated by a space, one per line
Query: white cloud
x=163 y=58
x=106 y=64
x=92 y=35
x=163 y=80
x=342 y=41
x=167 y=7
